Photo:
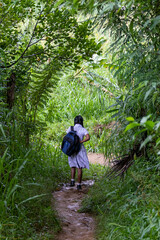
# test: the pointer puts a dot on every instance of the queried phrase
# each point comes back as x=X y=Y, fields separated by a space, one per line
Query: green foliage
x=54 y=33
x=27 y=182
x=40 y=40
x=95 y=172
x=134 y=28
x=127 y=210
x=28 y=175
x=152 y=129
x=74 y=96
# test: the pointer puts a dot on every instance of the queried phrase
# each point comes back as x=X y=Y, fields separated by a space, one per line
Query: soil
x=76 y=225
x=97 y=158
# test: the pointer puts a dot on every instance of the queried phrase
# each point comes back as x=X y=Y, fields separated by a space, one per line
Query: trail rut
x=75 y=225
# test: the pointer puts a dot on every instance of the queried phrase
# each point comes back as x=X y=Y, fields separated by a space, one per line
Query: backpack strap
x=72 y=128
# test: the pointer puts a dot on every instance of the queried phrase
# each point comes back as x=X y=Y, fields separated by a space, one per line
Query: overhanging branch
x=28 y=45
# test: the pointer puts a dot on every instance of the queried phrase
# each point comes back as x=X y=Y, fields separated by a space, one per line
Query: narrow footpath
x=76 y=225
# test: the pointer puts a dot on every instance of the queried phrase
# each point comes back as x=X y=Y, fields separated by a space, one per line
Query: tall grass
x=27 y=179
x=127 y=209
x=28 y=176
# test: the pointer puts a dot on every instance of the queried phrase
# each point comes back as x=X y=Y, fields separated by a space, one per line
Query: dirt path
x=97 y=158
x=75 y=225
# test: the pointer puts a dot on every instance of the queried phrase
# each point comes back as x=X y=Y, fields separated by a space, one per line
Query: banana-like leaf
x=149 y=125
x=131 y=125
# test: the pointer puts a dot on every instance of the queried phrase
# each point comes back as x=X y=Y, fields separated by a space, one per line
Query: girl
x=79 y=160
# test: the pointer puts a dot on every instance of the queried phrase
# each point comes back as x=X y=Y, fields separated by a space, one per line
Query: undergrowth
x=128 y=209
x=27 y=183
x=27 y=180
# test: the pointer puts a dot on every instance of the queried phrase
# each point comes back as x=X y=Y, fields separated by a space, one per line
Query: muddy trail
x=76 y=225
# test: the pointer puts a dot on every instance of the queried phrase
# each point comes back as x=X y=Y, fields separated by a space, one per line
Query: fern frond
x=42 y=83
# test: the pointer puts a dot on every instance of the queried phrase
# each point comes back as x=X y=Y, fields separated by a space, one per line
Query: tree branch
x=32 y=55
x=36 y=42
x=26 y=47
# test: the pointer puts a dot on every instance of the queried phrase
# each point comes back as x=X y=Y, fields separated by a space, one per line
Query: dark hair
x=78 y=119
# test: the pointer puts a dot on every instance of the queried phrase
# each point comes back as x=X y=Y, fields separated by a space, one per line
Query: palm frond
x=122 y=163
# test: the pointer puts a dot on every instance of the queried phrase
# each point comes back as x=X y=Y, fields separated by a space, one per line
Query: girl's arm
x=87 y=138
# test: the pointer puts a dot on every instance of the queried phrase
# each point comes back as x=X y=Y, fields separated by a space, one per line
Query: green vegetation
x=27 y=182
x=127 y=209
x=100 y=59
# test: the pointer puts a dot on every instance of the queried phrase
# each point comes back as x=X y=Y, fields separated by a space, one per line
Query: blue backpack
x=71 y=143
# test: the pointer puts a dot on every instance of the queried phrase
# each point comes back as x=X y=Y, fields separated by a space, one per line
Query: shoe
x=72 y=184
x=79 y=187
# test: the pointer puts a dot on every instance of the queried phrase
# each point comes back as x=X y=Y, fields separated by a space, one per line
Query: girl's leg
x=79 y=175
x=73 y=172
x=79 y=178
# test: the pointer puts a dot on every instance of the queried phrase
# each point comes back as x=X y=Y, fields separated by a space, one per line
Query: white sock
x=72 y=180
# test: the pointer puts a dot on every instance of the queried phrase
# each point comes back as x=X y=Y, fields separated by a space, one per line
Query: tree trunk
x=11 y=83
